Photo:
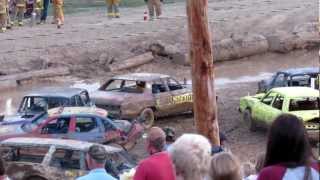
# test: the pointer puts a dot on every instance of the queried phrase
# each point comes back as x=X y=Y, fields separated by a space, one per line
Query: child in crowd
x=225 y=166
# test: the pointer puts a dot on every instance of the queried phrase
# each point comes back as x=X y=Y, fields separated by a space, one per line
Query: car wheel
x=248 y=120
x=147 y=118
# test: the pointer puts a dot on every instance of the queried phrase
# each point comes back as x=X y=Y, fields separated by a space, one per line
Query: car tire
x=249 y=121
x=146 y=118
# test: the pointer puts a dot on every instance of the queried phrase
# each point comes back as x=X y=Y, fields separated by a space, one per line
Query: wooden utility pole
x=205 y=106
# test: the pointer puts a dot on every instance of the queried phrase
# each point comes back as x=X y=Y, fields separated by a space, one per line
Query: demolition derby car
x=304 y=102
x=143 y=95
x=79 y=123
x=56 y=159
x=309 y=77
x=38 y=102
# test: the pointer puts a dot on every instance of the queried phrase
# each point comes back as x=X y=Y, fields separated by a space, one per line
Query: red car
x=80 y=123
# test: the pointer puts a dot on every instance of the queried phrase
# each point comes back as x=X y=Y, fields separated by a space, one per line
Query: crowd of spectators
x=288 y=156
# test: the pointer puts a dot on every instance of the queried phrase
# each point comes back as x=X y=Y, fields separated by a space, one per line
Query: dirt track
x=86 y=36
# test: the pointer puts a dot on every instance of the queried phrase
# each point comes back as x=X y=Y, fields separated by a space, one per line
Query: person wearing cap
x=170 y=136
x=96 y=159
x=158 y=166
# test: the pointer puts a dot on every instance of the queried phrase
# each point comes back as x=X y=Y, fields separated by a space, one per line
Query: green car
x=261 y=109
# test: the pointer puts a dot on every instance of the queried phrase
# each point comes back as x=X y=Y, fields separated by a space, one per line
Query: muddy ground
x=89 y=38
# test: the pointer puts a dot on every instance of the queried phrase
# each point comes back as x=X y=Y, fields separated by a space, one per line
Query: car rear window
x=302 y=104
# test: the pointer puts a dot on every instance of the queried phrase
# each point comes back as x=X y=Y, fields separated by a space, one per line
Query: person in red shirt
x=158 y=166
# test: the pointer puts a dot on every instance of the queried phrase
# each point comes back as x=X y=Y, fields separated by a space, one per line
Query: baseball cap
x=97 y=152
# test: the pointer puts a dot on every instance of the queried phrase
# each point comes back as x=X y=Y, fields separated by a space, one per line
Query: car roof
x=58 y=143
x=65 y=92
x=141 y=76
x=67 y=111
x=307 y=70
x=297 y=91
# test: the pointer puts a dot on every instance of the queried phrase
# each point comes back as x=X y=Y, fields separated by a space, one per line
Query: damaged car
x=309 y=77
x=144 y=96
x=80 y=123
x=260 y=110
x=38 y=102
x=56 y=159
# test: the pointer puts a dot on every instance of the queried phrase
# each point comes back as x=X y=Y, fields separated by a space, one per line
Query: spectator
x=96 y=159
x=44 y=12
x=3 y=175
x=288 y=152
x=154 y=5
x=223 y=144
x=225 y=166
x=258 y=167
x=191 y=156
x=170 y=136
x=159 y=165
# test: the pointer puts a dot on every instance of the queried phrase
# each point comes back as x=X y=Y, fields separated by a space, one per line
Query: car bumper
x=314 y=135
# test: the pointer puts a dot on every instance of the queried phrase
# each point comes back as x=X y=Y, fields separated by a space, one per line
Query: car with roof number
x=38 y=102
x=79 y=123
x=56 y=159
x=144 y=96
x=308 y=77
x=260 y=110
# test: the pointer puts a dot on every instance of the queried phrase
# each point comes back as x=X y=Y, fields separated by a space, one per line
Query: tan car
x=144 y=96
x=56 y=159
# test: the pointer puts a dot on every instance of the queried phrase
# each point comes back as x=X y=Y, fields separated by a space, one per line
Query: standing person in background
x=3 y=16
x=113 y=8
x=154 y=5
x=38 y=7
x=58 y=12
x=158 y=166
x=9 y=23
x=44 y=12
x=289 y=155
x=20 y=8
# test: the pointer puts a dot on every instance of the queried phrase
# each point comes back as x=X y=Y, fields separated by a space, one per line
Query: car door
x=56 y=128
x=86 y=128
x=163 y=97
x=111 y=133
x=181 y=96
x=262 y=111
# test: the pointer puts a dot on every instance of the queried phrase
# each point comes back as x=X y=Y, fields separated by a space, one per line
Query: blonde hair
x=225 y=166
x=190 y=154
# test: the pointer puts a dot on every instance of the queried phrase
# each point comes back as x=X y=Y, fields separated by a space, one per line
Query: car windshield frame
x=48 y=100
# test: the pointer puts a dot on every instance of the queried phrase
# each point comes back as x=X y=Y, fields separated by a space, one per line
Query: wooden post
x=205 y=110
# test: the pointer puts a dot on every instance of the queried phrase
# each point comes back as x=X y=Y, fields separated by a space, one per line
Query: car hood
x=111 y=98
x=13 y=129
x=11 y=120
x=306 y=115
